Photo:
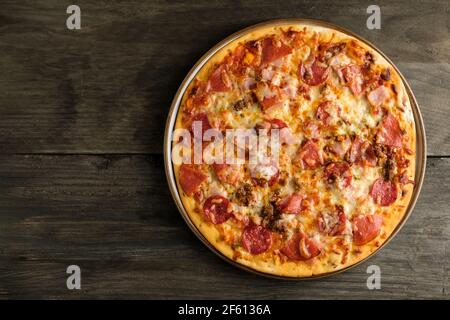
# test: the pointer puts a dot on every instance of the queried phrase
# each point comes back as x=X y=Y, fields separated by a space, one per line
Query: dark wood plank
x=107 y=87
x=114 y=217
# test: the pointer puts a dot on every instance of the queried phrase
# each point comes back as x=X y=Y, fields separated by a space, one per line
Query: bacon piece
x=190 y=178
x=235 y=61
x=285 y=134
x=390 y=133
x=353 y=76
x=309 y=156
x=327 y=111
x=294 y=38
x=256 y=239
x=366 y=228
x=362 y=153
x=338 y=172
x=200 y=119
x=227 y=173
x=217 y=209
x=300 y=247
x=268 y=96
x=292 y=204
x=273 y=49
x=219 y=80
x=197 y=98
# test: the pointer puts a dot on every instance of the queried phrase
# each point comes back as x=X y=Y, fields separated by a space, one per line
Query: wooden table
x=81 y=131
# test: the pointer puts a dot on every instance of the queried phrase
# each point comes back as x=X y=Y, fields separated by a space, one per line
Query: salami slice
x=390 y=133
x=384 y=192
x=314 y=73
x=366 y=228
x=190 y=178
x=300 y=247
x=273 y=50
x=339 y=173
x=309 y=156
x=217 y=209
x=256 y=239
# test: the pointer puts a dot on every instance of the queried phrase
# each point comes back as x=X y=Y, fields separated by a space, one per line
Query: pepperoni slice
x=338 y=172
x=378 y=96
x=190 y=178
x=217 y=209
x=384 y=192
x=310 y=156
x=200 y=120
x=353 y=76
x=300 y=247
x=390 y=133
x=219 y=81
x=315 y=73
x=273 y=50
x=227 y=173
x=362 y=153
x=292 y=203
x=256 y=239
x=366 y=228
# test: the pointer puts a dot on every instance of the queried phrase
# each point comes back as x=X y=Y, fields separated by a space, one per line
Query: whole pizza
x=344 y=169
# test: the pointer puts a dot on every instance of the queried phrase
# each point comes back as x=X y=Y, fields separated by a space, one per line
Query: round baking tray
x=173 y=112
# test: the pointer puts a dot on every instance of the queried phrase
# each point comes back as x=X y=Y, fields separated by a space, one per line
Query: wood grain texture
x=81 y=172
x=114 y=217
x=107 y=87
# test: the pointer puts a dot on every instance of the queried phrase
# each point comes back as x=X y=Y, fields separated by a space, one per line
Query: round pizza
x=340 y=176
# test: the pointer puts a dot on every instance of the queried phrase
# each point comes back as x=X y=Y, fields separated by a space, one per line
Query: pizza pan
x=171 y=118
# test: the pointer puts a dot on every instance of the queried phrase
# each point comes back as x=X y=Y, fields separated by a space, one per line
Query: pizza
x=344 y=173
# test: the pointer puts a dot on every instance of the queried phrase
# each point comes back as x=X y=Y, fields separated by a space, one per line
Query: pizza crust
x=272 y=264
